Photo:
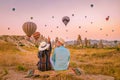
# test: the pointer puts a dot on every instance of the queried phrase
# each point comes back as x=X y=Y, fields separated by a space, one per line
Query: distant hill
x=17 y=40
x=105 y=42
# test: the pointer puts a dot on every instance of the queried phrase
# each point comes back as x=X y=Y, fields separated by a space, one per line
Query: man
x=61 y=56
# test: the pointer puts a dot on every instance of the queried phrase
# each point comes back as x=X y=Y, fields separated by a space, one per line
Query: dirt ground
x=15 y=75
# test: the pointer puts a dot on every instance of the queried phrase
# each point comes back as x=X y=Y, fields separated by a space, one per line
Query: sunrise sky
x=43 y=10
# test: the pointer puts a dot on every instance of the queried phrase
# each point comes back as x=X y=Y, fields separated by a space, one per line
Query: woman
x=44 y=55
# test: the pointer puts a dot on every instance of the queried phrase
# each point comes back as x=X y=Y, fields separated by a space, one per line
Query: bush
x=73 y=64
x=21 y=68
x=118 y=49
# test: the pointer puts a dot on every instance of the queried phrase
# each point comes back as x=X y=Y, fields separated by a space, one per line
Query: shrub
x=21 y=68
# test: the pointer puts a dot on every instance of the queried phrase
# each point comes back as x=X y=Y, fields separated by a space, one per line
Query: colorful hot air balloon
x=107 y=18
x=29 y=28
x=36 y=35
x=65 y=20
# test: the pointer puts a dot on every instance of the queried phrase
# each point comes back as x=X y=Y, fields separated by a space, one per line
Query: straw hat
x=61 y=40
x=43 y=46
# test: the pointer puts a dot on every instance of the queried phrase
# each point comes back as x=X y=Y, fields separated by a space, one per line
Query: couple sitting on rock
x=59 y=60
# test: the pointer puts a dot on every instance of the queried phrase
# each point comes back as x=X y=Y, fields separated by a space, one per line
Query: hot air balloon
x=66 y=30
x=72 y=14
x=36 y=35
x=51 y=31
x=79 y=26
x=112 y=30
x=91 y=5
x=52 y=16
x=31 y=18
x=57 y=26
x=100 y=28
x=107 y=18
x=106 y=34
x=85 y=16
x=86 y=31
x=8 y=28
x=91 y=22
x=29 y=28
x=65 y=20
x=45 y=25
x=13 y=9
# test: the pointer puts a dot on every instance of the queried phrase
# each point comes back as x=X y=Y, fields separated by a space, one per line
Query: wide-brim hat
x=43 y=46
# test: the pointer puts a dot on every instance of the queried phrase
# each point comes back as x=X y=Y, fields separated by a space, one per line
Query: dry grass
x=92 y=61
x=97 y=61
x=10 y=55
x=8 y=47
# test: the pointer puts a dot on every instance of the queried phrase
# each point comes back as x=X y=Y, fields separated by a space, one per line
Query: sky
x=43 y=10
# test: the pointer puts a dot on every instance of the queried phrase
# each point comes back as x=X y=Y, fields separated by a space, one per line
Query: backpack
x=44 y=61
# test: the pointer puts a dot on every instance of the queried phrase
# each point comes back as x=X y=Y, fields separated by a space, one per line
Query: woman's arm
x=49 y=42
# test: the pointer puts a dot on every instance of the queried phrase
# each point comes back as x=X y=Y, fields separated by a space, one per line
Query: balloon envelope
x=13 y=9
x=72 y=14
x=52 y=16
x=107 y=18
x=100 y=28
x=65 y=20
x=45 y=25
x=66 y=30
x=29 y=28
x=31 y=18
x=36 y=35
x=8 y=28
x=91 y=5
x=91 y=22
x=106 y=34
x=79 y=26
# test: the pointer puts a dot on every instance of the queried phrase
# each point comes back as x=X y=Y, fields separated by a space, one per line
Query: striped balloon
x=36 y=35
x=29 y=28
